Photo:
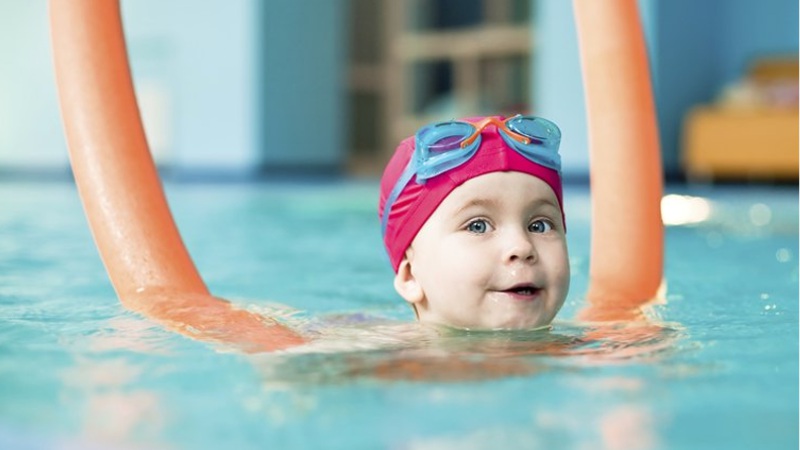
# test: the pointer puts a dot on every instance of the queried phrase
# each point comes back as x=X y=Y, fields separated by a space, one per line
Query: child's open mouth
x=523 y=291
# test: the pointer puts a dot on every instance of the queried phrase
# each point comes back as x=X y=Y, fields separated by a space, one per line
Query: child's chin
x=500 y=325
x=510 y=322
x=520 y=323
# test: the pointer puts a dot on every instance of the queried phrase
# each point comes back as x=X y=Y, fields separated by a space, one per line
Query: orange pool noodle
x=626 y=177
x=115 y=174
x=119 y=186
x=140 y=244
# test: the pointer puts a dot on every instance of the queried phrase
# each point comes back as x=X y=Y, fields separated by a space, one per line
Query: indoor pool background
x=79 y=371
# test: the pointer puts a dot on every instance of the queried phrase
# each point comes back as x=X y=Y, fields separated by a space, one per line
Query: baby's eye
x=540 y=226
x=478 y=226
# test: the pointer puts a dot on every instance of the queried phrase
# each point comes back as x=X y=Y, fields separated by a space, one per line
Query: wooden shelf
x=484 y=62
x=488 y=41
x=367 y=77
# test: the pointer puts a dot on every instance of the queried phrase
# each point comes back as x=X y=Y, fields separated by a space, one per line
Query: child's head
x=472 y=218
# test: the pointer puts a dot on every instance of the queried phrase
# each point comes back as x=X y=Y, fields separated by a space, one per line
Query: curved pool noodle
x=626 y=177
x=131 y=223
x=142 y=249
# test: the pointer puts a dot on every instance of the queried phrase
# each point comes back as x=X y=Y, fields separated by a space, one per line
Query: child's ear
x=406 y=284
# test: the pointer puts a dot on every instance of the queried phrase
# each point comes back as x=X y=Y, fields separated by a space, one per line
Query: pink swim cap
x=417 y=202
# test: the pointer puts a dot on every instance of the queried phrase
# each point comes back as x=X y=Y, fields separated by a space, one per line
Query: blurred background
x=248 y=88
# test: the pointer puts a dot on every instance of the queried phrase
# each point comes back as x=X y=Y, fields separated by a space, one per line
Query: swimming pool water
x=79 y=371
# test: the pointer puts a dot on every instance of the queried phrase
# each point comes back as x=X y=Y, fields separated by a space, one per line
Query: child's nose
x=520 y=247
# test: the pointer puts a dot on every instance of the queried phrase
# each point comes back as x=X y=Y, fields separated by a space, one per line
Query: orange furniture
x=751 y=133
x=744 y=144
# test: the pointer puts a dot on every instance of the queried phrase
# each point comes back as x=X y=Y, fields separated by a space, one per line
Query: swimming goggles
x=443 y=146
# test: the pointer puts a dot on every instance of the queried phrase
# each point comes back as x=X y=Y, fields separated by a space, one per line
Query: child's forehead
x=506 y=183
x=500 y=189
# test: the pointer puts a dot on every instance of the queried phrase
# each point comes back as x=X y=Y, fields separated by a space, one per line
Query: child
x=472 y=219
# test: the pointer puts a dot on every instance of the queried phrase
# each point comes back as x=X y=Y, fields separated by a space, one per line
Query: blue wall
x=223 y=87
x=31 y=137
x=702 y=46
x=247 y=80
x=755 y=28
x=194 y=66
x=303 y=63
x=557 y=84
x=696 y=47
x=685 y=64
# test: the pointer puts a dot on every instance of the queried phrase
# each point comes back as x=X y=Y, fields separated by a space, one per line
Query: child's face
x=492 y=255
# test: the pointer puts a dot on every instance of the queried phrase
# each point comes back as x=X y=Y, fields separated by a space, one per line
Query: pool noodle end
x=626 y=176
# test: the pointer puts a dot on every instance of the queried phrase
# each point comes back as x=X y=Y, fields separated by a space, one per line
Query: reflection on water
x=684 y=209
x=417 y=352
x=356 y=352
x=108 y=406
x=622 y=427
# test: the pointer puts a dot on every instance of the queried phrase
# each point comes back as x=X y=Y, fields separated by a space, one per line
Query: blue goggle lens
x=444 y=136
x=539 y=131
x=446 y=144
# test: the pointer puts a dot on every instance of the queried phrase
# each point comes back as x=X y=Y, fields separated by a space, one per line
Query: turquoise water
x=79 y=371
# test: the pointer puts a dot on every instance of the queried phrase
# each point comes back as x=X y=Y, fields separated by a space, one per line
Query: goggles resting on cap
x=443 y=146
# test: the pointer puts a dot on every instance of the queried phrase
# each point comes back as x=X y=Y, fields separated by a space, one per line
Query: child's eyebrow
x=477 y=203
x=547 y=207
x=545 y=202
x=490 y=203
